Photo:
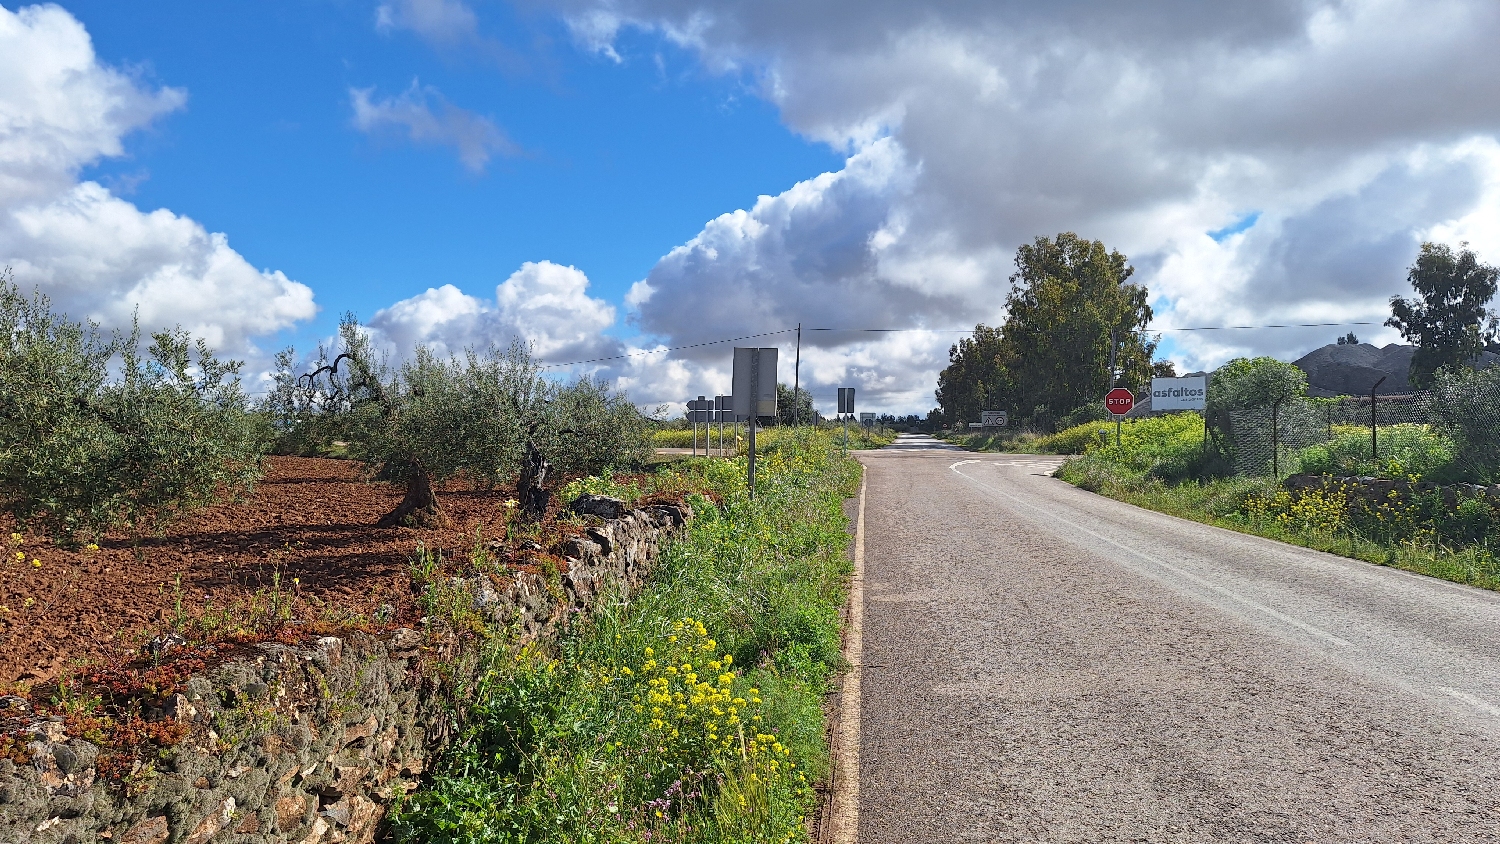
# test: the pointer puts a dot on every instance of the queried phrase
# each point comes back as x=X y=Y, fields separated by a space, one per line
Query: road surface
x=1043 y=664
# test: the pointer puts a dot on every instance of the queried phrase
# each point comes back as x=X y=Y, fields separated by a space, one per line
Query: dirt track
x=1043 y=664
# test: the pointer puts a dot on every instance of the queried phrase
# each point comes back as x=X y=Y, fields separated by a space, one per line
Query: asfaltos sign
x=1189 y=393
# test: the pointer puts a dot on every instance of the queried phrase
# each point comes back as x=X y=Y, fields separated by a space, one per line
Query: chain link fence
x=1268 y=441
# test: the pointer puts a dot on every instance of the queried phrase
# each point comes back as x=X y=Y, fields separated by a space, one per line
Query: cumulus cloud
x=425 y=116
x=95 y=254
x=543 y=304
x=1347 y=131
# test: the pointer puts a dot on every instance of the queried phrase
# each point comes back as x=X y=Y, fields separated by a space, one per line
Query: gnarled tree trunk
x=419 y=509
x=533 y=498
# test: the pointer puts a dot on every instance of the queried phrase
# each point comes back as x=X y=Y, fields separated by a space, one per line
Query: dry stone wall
x=1376 y=491
x=309 y=744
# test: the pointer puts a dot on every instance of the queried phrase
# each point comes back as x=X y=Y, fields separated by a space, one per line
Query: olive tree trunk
x=419 y=508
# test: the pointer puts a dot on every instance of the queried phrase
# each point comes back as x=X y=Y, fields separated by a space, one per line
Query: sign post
x=1119 y=402
x=755 y=382
x=846 y=406
x=993 y=419
x=722 y=405
x=700 y=410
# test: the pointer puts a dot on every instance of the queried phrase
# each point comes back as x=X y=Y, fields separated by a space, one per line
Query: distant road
x=1044 y=664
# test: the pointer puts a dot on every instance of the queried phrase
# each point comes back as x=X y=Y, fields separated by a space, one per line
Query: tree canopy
x=468 y=416
x=1071 y=312
x=1447 y=320
x=95 y=434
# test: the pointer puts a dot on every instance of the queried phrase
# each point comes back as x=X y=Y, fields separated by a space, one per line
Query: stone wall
x=1378 y=490
x=309 y=744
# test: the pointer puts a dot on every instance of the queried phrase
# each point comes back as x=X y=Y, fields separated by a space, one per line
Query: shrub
x=1405 y=450
x=1166 y=447
x=82 y=452
x=1463 y=406
x=1075 y=440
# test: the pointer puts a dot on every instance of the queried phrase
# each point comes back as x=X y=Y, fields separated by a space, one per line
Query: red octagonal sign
x=1119 y=401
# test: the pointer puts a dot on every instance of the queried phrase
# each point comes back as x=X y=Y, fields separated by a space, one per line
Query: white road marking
x=844 y=817
x=1475 y=701
x=1182 y=573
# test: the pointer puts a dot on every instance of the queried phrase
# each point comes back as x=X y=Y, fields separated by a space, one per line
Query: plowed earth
x=310 y=520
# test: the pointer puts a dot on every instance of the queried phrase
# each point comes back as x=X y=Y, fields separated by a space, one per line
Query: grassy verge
x=1396 y=536
x=1074 y=440
x=859 y=437
x=690 y=713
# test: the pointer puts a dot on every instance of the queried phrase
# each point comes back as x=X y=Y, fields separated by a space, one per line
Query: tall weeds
x=689 y=713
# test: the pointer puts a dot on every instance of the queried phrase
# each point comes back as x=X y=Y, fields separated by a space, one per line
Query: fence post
x=1374 y=443
x=1275 y=440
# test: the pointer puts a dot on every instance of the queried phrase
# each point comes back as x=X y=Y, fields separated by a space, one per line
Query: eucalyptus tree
x=1448 y=320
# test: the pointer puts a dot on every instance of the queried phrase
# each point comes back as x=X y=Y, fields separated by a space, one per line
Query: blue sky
x=618 y=162
x=611 y=178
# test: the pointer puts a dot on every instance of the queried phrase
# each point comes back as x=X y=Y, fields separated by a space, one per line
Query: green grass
x=1419 y=536
x=1404 y=450
x=1168 y=444
x=586 y=741
x=859 y=437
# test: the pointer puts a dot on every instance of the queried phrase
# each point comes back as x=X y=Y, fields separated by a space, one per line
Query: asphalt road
x=1044 y=664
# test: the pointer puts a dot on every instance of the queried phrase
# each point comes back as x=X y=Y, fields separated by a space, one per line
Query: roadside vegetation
x=1425 y=519
x=691 y=712
x=860 y=437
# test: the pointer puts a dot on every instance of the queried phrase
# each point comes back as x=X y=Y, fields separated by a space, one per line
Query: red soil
x=310 y=519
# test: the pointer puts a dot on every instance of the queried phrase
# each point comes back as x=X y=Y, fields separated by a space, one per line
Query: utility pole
x=796 y=376
x=1114 y=346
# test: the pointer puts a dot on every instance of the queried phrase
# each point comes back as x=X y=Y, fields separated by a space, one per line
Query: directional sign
x=700 y=410
x=1119 y=401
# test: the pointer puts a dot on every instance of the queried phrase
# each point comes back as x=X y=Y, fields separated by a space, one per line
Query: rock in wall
x=309 y=744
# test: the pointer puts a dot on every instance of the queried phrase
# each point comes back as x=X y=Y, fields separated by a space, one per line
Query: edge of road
x=843 y=825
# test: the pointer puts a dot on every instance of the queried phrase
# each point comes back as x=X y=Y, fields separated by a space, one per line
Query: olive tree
x=476 y=417
x=95 y=435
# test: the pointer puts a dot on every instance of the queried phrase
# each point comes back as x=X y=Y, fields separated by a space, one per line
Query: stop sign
x=1119 y=401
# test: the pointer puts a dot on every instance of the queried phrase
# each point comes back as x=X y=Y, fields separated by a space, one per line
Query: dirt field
x=308 y=530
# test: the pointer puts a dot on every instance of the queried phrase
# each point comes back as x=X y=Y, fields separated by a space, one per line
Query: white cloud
x=475 y=138
x=438 y=21
x=544 y=304
x=1354 y=130
x=93 y=253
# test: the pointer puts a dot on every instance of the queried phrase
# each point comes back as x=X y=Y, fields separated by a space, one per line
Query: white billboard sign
x=1189 y=393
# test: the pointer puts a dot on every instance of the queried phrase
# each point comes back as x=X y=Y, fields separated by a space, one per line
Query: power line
x=672 y=349
x=1190 y=328
x=1287 y=325
x=924 y=330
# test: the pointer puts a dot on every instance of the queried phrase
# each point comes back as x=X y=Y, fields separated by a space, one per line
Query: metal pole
x=754 y=409
x=1275 y=440
x=1113 y=349
x=796 y=376
x=1374 y=443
